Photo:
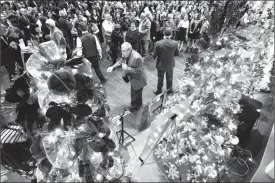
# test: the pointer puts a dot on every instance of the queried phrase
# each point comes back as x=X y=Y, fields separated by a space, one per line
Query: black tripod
x=120 y=134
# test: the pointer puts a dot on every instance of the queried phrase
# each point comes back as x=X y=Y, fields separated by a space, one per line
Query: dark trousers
x=169 y=79
x=95 y=65
x=114 y=54
x=144 y=47
x=136 y=98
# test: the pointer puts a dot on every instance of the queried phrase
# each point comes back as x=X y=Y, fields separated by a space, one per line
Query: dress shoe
x=170 y=92
x=156 y=92
x=131 y=108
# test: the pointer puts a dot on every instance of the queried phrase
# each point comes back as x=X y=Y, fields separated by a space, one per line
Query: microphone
x=174 y=116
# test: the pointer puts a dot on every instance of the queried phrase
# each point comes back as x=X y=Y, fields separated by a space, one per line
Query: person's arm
x=156 y=52
x=187 y=30
x=180 y=24
x=137 y=67
x=177 y=52
x=148 y=27
x=117 y=65
x=98 y=47
x=57 y=37
x=103 y=11
x=79 y=45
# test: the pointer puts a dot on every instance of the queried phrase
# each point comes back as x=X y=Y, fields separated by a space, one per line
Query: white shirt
x=108 y=26
x=39 y=25
x=184 y=24
x=79 y=45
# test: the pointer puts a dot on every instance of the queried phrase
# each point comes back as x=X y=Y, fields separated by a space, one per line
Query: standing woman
x=171 y=23
x=177 y=21
x=117 y=18
x=183 y=30
x=158 y=28
x=194 y=31
x=96 y=19
x=116 y=42
x=132 y=36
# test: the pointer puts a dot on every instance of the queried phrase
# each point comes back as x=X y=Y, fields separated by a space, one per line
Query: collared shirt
x=108 y=26
x=184 y=24
x=79 y=44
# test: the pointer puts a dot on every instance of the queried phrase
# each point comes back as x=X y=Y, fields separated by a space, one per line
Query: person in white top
x=108 y=27
x=183 y=30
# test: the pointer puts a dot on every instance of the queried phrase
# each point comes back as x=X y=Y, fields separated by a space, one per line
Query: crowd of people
x=137 y=22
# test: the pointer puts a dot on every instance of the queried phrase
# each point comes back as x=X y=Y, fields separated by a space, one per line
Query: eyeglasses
x=126 y=50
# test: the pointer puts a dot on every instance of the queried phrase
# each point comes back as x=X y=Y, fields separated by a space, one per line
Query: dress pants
x=95 y=65
x=169 y=79
x=145 y=47
x=114 y=55
x=136 y=98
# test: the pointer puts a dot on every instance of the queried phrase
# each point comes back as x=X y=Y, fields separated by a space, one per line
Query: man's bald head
x=126 y=45
x=126 y=49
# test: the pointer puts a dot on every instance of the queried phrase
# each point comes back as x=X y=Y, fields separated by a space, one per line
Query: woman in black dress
x=194 y=30
x=183 y=30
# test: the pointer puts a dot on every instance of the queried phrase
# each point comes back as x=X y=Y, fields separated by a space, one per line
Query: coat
x=165 y=51
x=145 y=25
x=64 y=26
x=135 y=71
x=133 y=38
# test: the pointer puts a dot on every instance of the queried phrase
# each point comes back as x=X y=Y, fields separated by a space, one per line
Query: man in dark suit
x=165 y=50
x=91 y=50
x=133 y=71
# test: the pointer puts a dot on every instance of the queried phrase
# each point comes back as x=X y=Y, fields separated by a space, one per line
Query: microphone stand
x=120 y=134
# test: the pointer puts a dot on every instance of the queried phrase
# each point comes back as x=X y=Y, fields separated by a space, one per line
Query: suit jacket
x=133 y=38
x=165 y=51
x=135 y=71
x=145 y=25
x=64 y=26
